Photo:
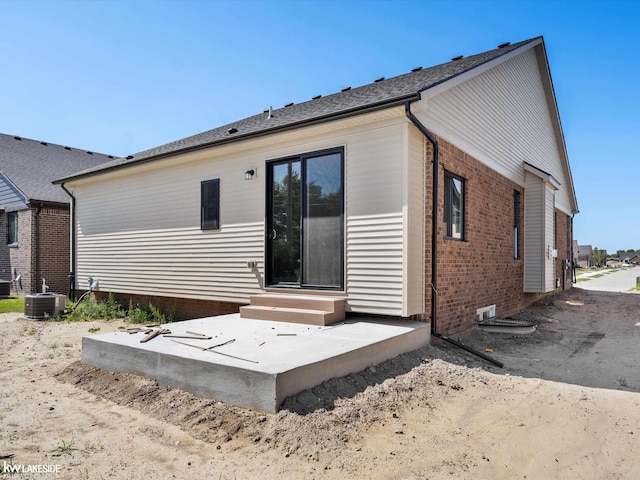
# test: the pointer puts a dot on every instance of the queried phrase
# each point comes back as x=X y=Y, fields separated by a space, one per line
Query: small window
x=12 y=228
x=516 y=224
x=454 y=206
x=210 y=205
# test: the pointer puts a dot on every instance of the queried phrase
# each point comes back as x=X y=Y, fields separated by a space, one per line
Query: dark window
x=12 y=228
x=516 y=224
x=210 y=205
x=454 y=206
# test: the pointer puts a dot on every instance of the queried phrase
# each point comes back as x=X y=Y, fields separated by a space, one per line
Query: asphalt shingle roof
x=386 y=92
x=32 y=166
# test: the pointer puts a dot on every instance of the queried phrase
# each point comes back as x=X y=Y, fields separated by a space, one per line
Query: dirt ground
x=435 y=413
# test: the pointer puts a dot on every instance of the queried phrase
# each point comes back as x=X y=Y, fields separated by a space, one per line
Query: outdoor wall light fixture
x=248 y=175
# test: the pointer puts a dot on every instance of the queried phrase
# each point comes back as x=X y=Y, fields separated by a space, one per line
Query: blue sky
x=119 y=77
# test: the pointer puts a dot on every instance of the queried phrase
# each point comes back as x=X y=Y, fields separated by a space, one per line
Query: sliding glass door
x=305 y=205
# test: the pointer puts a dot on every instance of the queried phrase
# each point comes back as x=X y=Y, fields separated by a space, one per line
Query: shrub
x=92 y=309
x=135 y=314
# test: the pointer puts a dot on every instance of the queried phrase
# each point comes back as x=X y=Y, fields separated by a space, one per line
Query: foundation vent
x=485 y=312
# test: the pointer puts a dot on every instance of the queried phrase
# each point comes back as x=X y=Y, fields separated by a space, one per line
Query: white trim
x=463 y=77
x=546 y=177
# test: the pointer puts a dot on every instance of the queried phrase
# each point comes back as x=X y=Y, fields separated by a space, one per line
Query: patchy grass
x=12 y=304
x=65 y=448
x=91 y=309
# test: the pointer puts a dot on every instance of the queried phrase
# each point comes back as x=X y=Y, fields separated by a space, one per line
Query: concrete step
x=291 y=315
x=307 y=302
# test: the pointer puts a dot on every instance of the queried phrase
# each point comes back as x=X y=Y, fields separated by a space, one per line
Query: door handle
x=272 y=234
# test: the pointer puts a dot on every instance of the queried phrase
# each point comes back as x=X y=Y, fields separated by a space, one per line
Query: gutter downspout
x=72 y=275
x=434 y=239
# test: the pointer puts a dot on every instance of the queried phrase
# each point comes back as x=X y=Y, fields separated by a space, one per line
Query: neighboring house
x=634 y=259
x=34 y=213
x=613 y=262
x=585 y=256
x=335 y=196
x=629 y=257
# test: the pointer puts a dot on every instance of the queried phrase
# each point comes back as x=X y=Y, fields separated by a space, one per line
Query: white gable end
x=502 y=117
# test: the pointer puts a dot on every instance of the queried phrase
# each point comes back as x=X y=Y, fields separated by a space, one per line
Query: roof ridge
x=381 y=93
x=51 y=144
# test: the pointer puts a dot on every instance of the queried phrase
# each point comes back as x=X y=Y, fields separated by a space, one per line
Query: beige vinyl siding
x=139 y=232
x=375 y=203
x=550 y=238
x=385 y=223
x=539 y=235
x=138 y=229
x=414 y=248
x=534 y=235
x=374 y=172
x=375 y=264
x=171 y=262
x=502 y=117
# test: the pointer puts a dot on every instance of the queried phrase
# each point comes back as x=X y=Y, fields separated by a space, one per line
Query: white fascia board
x=463 y=77
x=553 y=105
x=546 y=177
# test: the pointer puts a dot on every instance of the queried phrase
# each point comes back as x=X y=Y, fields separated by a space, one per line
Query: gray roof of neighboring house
x=28 y=168
x=585 y=249
x=380 y=94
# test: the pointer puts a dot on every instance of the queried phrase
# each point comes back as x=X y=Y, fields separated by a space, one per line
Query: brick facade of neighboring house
x=27 y=169
x=53 y=246
x=42 y=250
x=21 y=255
x=5 y=260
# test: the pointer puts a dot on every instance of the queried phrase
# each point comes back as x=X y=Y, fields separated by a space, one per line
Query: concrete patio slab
x=267 y=361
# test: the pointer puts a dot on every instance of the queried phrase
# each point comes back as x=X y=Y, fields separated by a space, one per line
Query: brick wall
x=20 y=256
x=564 y=242
x=5 y=262
x=481 y=270
x=54 y=248
x=184 y=308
